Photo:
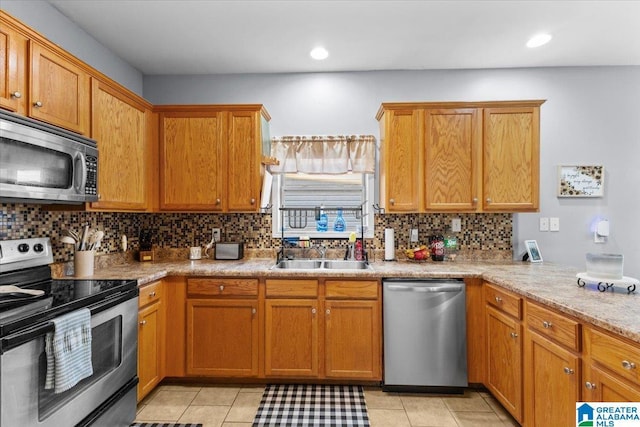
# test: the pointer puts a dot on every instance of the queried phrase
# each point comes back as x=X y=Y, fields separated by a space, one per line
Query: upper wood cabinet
x=59 y=90
x=118 y=124
x=210 y=157
x=461 y=157
x=13 y=66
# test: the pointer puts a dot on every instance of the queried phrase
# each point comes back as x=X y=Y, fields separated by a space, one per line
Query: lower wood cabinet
x=222 y=327
x=150 y=338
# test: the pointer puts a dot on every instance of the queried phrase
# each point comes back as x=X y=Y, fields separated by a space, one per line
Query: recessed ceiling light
x=538 y=40
x=319 y=53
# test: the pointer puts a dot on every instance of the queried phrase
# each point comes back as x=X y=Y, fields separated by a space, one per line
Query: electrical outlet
x=216 y=234
x=544 y=223
x=414 y=235
x=456 y=225
x=554 y=224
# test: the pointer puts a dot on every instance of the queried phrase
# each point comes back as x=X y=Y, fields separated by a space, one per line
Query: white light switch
x=544 y=223
x=554 y=224
x=414 y=235
x=456 y=225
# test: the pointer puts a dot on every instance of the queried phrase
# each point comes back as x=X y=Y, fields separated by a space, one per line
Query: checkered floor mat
x=312 y=405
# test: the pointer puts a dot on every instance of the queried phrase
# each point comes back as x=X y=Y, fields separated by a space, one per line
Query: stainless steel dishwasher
x=425 y=335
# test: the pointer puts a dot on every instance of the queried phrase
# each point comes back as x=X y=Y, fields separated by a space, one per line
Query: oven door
x=25 y=402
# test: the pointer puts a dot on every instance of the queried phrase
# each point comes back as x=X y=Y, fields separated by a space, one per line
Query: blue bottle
x=323 y=221
x=339 y=224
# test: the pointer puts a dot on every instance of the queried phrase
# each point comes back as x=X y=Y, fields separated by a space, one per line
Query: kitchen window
x=322 y=173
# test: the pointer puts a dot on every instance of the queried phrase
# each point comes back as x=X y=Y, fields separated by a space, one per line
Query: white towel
x=68 y=350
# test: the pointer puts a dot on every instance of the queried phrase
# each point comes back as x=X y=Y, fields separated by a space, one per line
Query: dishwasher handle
x=425 y=289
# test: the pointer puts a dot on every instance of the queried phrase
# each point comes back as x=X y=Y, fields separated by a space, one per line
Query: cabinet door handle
x=253 y=201
x=253 y=311
x=16 y=95
x=568 y=371
x=498 y=300
x=547 y=325
x=514 y=335
x=392 y=202
x=475 y=200
x=313 y=311
x=328 y=311
x=488 y=200
x=37 y=104
x=143 y=322
x=217 y=201
x=590 y=386
x=628 y=365
x=221 y=288
x=152 y=294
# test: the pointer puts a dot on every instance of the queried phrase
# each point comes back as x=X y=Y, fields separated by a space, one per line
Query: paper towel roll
x=389 y=245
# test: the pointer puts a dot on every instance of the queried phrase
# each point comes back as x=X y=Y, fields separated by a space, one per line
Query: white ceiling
x=264 y=36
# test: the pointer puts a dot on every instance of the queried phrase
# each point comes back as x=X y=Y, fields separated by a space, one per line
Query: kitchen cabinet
x=222 y=327
x=504 y=348
x=150 y=338
x=353 y=329
x=119 y=125
x=291 y=328
x=13 y=65
x=59 y=90
x=551 y=366
x=476 y=331
x=611 y=368
x=459 y=156
x=210 y=157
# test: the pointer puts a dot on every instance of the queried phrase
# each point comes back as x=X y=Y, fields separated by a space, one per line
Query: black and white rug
x=164 y=425
x=312 y=405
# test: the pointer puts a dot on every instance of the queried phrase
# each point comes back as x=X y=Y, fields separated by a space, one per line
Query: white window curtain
x=324 y=154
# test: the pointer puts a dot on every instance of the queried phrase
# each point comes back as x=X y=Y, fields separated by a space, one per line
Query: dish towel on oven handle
x=68 y=350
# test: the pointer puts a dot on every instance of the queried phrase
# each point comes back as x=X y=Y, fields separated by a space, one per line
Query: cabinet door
x=352 y=339
x=243 y=163
x=59 y=92
x=452 y=159
x=605 y=387
x=191 y=161
x=552 y=383
x=511 y=159
x=291 y=338
x=504 y=360
x=400 y=167
x=222 y=338
x=13 y=66
x=118 y=126
x=148 y=349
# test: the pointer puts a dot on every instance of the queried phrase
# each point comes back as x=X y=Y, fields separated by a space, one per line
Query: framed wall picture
x=580 y=181
x=533 y=251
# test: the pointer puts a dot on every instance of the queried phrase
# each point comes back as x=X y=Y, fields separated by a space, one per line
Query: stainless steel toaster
x=229 y=250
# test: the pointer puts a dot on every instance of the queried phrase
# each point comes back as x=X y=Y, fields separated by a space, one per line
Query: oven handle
x=37 y=330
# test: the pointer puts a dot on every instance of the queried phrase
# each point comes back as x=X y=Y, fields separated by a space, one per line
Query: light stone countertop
x=550 y=284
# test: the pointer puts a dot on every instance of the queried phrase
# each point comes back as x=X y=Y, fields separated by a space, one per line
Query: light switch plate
x=414 y=235
x=544 y=223
x=554 y=224
x=216 y=234
x=456 y=225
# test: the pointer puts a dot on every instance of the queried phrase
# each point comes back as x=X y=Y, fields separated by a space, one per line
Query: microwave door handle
x=27 y=335
x=79 y=165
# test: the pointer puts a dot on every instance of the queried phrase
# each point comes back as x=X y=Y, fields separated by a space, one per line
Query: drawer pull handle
x=628 y=365
x=590 y=386
x=221 y=288
x=547 y=325
x=37 y=104
x=152 y=294
x=498 y=300
x=514 y=335
x=568 y=371
x=143 y=322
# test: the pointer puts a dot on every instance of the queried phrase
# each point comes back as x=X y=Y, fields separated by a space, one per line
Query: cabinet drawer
x=356 y=289
x=291 y=288
x=149 y=294
x=213 y=287
x=503 y=300
x=617 y=355
x=554 y=326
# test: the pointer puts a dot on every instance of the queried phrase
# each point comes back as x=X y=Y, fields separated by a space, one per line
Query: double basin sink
x=324 y=264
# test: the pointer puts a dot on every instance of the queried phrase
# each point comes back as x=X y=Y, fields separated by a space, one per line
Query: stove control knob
x=38 y=247
x=23 y=247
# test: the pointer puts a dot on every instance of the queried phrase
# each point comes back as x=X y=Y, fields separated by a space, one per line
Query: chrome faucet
x=322 y=250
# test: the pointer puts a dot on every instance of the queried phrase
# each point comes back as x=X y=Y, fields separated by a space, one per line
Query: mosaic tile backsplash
x=481 y=233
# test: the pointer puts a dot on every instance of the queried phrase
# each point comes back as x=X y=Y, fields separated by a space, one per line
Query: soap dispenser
x=339 y=224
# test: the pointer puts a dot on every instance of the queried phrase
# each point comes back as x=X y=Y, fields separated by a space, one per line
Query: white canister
x=83 y=263
x=389 y=245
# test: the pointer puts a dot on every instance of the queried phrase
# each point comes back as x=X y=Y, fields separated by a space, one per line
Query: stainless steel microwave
x=40 y=163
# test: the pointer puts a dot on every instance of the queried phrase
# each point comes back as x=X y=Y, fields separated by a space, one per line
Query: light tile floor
x=236 y=406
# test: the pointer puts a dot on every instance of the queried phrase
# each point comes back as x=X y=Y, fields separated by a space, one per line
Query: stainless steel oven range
x=105 y=398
